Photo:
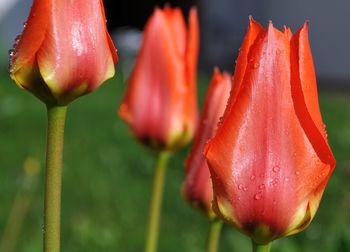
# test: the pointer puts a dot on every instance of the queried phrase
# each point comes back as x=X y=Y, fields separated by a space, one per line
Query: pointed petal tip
x=216 y=70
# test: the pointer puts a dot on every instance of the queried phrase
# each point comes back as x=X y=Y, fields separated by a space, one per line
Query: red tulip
x=270 y=160
x=198 y=189
x=64 y=51
x=160 y=102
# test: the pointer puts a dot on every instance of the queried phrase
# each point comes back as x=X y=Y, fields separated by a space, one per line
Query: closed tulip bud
x=160 y=103
x=64 y=50
x=270 y=160
x=198 y=189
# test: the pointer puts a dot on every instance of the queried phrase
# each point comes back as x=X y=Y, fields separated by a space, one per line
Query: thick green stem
x=261 y=247
x=214 y=235
x=53 y=177
x=156 y=202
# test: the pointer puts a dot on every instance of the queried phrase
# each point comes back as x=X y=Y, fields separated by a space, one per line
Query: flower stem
x=261 y=247
x=214 y=235
x=53 y=177
x=156 y=202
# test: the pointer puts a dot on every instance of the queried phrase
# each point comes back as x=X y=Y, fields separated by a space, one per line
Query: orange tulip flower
x=198 y=189
x=270 y=160
x=160 y=103
x=64 y=51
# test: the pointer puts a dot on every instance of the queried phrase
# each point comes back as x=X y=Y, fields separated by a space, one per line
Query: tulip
x=160 y=101
x=270 y=160
x=198 y=189
x=64 y=51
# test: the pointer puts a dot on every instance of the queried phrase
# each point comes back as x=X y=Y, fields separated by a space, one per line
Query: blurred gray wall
x=224 y=24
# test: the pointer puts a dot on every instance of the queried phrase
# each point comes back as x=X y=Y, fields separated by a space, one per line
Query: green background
x=107 y=176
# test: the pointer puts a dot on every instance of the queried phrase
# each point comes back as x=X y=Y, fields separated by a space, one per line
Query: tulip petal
x=304 y=92
x=191 y=108
x=254 y=29
x=151 y=105
x=198 y=187
x=109 y=39
x=74 y=37
x=32 y=36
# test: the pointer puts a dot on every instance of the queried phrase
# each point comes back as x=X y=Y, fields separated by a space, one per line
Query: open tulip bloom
x=197 y=188
x=63 y=52
x=270 y=160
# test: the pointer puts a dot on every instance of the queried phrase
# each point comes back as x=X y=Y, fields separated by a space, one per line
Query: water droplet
x=256 y=65
x=18 y=38
x=286 y=179
x=297 y=173
x=25 y=24
x=276 y=168
x=11 y=53
x=258 y=196
x=240 y=187
x=252 y=177
x=245 y=189
x=262 y=187
x=220 y=122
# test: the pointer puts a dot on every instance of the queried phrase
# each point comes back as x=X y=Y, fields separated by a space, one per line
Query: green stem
x=214 y=235
x=156 y=202
x=53 y=177
x=261 y=247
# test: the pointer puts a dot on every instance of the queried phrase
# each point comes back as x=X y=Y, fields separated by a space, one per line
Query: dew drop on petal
x=258 y=196
x=276 y=168
x=256 y=65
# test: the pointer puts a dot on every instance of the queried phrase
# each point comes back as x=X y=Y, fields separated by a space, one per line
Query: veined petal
x=109 y=39
x=153 y=105
x=33 y=34
x=254 y=29
x=176 y=24
x=198 y=186
x=75 y=56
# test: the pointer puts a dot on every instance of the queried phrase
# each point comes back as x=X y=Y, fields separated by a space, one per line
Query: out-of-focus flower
x=270 y=160
x=198 y=189
x=160 y=104
x=64 y=50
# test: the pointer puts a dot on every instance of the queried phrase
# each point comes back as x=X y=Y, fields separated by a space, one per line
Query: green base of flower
x=261 y=247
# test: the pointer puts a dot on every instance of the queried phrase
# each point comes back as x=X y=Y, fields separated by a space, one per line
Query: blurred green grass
x=107 y=177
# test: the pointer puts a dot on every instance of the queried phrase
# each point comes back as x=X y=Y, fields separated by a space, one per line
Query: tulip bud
x=64 y=51
x=160 y=103
x=198 y=189
x=270 y=160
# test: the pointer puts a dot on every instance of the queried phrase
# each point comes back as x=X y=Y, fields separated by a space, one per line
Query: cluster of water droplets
x=13 y=51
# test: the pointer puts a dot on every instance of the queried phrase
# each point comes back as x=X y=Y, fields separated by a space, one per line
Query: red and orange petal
x=74 y=38
x=33 y=34
x=198 y=186
x=158 y=74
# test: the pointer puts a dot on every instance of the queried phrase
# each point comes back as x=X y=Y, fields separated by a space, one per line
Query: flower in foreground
x=270 y=160
x=64 y=50
x=160 y=103
x=198 y=189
